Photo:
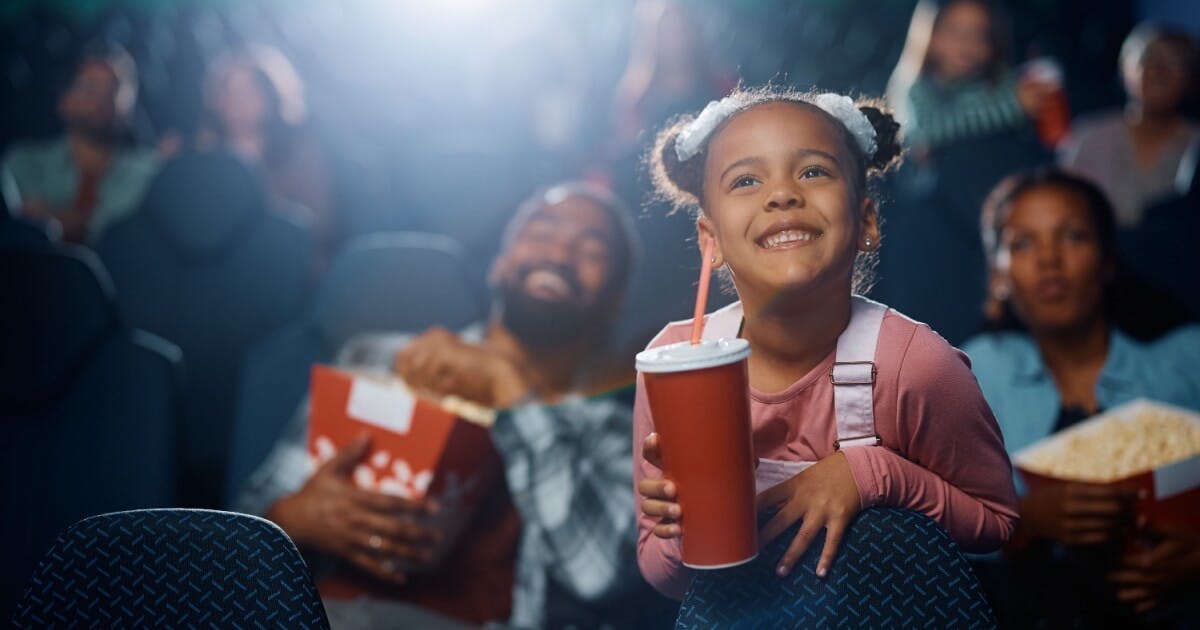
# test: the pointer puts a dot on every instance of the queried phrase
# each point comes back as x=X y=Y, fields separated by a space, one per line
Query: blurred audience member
x=544 y=357
x=968 y=126
x=1054 y=359
x=953 y=81
x=81 y=182
x=668 y=72
x=255 y=107
x=1135 y=155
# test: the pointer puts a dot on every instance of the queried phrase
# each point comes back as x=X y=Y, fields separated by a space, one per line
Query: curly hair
x=681 y=183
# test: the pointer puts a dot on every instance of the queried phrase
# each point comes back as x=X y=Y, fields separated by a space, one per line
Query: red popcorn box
x=420 y=448
x=1143 y=445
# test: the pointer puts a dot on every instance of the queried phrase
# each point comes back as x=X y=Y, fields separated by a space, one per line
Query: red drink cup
x=1053 y=119
x=698 y=396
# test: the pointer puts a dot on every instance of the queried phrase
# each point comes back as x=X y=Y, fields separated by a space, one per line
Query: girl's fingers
x=804 y=537
x=657 y=489
x=773 y=496
x=668 y=530
x=650 y=451
x=833 y=540
x=778 y=523
x=661 y=509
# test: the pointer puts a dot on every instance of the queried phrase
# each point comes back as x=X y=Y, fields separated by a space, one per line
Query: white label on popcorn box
x=1177 y=477
x=386 y=406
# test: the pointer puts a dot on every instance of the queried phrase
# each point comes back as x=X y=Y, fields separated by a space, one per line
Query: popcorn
x=1117 y=446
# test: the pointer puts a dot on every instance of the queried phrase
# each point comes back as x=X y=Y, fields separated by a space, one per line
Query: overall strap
x=853 y=375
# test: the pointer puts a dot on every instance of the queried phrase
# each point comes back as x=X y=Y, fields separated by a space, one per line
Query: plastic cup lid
x=683 y=356
x=1045 y=69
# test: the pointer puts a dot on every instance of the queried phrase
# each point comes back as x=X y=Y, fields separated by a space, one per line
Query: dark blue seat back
x=172 y=569
x=931 y=263
x=399 y=281
x=88 y=407
x=205 y=264
x=895 y=569
x=1160 y=252
x=18 y=233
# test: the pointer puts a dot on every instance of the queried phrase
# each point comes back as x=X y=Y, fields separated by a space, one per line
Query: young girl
x=953 y=81
x=780 y=180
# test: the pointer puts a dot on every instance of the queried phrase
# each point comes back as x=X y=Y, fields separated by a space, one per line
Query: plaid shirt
x=570 y=473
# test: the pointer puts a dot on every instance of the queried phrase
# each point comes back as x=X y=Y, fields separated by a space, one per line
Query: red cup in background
x=1053 y=120
x=699 y=398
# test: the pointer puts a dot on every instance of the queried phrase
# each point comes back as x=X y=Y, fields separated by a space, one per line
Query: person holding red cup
x=851 y=405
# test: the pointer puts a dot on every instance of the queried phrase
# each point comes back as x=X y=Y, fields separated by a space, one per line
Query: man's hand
x=1076 y=513
x=377 y=533
x=440 y=363
x=824 y=496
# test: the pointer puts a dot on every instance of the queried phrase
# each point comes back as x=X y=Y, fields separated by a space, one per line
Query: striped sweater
x=940 y=114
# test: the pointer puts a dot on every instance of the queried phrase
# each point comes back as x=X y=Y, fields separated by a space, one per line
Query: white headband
x=841 y=107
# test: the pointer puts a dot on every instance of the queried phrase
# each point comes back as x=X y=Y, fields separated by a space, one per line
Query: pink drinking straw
x=702 y=291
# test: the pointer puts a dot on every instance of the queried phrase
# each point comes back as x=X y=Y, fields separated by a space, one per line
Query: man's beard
x=542 y=323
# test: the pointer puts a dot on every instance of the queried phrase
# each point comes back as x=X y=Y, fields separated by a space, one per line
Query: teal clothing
x=44 y=170
x=1022 y=393
x=940 y=114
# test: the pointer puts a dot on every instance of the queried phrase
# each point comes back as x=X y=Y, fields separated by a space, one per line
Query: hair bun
x=888 y=147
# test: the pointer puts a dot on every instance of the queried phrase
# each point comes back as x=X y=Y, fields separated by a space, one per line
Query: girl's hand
x=824 y=496
x=658 y=495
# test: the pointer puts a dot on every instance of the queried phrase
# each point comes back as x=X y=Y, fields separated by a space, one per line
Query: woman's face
x=90 y=102
x=1160 y=79
x=780 y=199
x=1050 y=260
x=961 y=45
x=240 y=101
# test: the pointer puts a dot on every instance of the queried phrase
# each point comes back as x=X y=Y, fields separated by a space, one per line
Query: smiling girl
x=852 y=405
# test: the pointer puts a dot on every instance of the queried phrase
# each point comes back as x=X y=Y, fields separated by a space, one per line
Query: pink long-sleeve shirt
x=942 y=452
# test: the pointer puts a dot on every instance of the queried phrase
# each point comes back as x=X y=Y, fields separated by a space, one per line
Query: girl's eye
x=813 y=171
x=1019 y=243
x=743 y=181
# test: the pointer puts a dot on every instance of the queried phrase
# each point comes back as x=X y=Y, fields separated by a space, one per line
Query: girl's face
x=1050 y=260
x=780 y=199
x=1159 y=80
x=961 y=46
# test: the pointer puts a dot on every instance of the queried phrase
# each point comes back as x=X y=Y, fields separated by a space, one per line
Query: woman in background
x=255 y=108
x=1134 y=155
x=953 y=81
x=1054 y=359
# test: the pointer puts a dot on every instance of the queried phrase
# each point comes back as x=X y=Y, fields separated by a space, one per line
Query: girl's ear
x=706 y=232
x=868 y=240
